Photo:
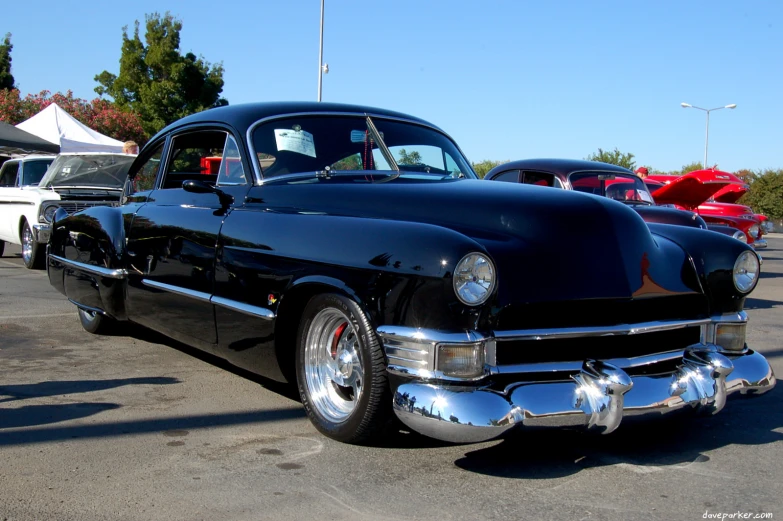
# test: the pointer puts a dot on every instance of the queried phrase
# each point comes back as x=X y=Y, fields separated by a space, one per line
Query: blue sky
x=506 y=79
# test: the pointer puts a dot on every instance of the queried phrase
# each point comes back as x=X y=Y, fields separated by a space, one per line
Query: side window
x=509 y=176
x=537 y=178
x=194 y=156
x=145 y=176
x=8 y=174
x=231 y=171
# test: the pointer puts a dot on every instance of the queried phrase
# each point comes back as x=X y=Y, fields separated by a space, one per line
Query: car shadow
x=153 y=337
x=32 y=415
x=678 y=444
x=10 y=393
x=758 y=303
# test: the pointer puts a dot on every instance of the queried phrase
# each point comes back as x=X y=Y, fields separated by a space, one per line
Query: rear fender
x=86 y=259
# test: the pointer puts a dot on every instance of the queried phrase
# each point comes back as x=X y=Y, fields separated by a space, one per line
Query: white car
x=71 y=181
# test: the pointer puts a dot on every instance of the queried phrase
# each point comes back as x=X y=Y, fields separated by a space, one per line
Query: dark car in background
x=603 y=179
x=353 y=251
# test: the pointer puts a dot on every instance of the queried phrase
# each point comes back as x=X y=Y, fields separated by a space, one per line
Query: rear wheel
x=96 y=323
x=341 y=372
x=32 y=252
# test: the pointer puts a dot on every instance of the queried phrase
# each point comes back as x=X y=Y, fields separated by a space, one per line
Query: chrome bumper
x=41 y=233
x=599 y=397
x=759 y=244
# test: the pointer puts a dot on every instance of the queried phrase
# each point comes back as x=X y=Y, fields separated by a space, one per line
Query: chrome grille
x=77 y=206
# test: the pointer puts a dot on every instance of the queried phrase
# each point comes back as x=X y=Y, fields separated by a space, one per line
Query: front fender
x=85 y=260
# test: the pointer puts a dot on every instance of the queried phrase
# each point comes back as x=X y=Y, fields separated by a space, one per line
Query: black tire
x=2 y=248
x=32 y=252
x=96 y=323
x=334 y=328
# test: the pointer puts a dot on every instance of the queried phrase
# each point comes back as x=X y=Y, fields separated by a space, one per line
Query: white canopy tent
x=57 y=126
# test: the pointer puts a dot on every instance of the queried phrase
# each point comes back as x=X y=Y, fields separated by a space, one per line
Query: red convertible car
x=692 y=191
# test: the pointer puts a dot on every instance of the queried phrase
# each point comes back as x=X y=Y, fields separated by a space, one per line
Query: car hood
x=730 y=193
x=547 y=244
x=692 y=189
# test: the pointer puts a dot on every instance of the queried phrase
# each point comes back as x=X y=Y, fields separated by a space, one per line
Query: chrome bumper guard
x=599 y=396
x=759 y=244
x=41 y=233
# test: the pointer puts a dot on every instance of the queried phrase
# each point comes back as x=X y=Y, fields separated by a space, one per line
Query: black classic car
x=352 y=250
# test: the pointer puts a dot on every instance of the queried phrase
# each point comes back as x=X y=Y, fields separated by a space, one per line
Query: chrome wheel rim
x=27 y=244
x=333 y=368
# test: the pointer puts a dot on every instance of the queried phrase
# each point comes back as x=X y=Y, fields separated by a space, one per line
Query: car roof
x=243 y=115
x=562 y=167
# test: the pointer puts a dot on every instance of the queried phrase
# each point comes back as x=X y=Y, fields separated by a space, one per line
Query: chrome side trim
x=197 y=295
x=574 y=332
x=23 y=203
x=91 y=268
x=247 y=309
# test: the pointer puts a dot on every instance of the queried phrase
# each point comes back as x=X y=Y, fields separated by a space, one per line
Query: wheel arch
x=289 y=315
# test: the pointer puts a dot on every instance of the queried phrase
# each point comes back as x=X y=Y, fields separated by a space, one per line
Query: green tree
x=413 y=158
x=482 y=167
x=157 y=81
x=691 y=167
x=614 y=157
x=6 y=78
x=766 y=193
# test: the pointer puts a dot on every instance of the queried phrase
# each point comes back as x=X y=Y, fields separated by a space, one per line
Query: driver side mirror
x=200 y=187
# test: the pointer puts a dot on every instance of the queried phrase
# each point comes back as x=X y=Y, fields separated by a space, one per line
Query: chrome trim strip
x=88 y=308
x=247 y=309
x=574 y=332
x=197 y=295
x=24 y=203
x=622 y=363
x=91 y=268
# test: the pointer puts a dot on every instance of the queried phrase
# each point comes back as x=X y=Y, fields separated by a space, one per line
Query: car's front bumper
x=595 y=394
x=759 y=244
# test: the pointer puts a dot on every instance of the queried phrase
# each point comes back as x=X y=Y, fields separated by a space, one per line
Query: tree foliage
x=482 y=167
x=409 y=158
x=100 y=115
x=156 y=80
x=766 y=193
x=6 y=78
x=614 y=157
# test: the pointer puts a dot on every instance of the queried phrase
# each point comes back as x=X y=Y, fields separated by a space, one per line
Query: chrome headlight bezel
x=753 y=231
x=740 y=236
x=746 y=271
x=474 y=279
x=47 y=211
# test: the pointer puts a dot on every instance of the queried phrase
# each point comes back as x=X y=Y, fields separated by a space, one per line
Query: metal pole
x=321 y=53
x=706 y=139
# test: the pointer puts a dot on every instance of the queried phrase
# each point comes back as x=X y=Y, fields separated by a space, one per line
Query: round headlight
x=48 y=213
x=474 y=279
x=753 y=231
x=746 y=271
x=740 y=236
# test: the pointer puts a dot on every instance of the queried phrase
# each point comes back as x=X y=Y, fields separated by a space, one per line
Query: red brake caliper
x=336 y=339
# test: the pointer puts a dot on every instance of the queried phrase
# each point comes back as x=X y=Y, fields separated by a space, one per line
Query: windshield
x=88 y=170
x=346 y=143
x=34 y=170
x=614 y=185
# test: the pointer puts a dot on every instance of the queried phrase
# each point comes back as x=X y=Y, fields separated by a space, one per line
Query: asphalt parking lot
x=139 y=427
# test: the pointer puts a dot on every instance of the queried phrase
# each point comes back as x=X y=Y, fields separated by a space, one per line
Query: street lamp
x=323 y=68
x=707 y=138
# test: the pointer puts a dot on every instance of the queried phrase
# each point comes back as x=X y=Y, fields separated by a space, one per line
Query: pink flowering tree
x=100 y=115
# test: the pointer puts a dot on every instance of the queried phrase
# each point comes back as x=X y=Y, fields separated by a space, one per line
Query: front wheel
x=32 y=252
x=96 y=323
x=2 y=248
x=341 y=372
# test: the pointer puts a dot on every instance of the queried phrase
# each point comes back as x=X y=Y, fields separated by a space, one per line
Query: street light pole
x=321 y=53
x=707 y=130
